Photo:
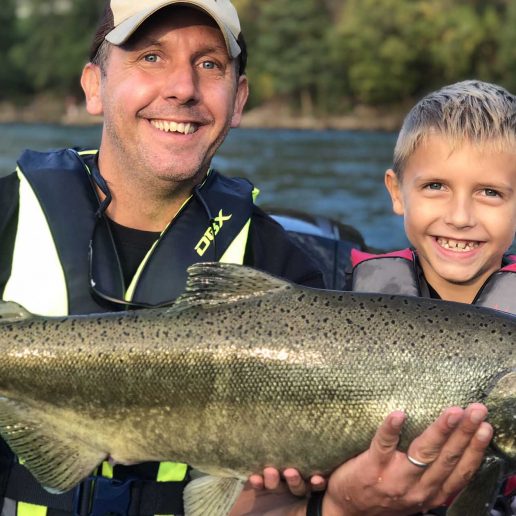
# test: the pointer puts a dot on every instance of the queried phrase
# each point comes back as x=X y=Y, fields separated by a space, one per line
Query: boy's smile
x=460 y=212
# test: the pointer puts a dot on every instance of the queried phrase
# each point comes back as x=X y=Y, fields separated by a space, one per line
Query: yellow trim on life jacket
x=37 y=280
x=106 y=470
x=236 y=251
x=28 y=509
x=171 y=472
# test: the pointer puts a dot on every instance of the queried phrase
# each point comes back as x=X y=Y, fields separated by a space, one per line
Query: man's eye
x=151 y=58
x=208 y=65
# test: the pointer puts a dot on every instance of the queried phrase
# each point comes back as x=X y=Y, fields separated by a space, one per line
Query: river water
x=338 y=174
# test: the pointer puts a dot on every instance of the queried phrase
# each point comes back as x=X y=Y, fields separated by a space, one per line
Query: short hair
x=99 y=49
x=469 y=111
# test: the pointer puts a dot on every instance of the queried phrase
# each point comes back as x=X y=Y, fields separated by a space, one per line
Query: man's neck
x=142 y=204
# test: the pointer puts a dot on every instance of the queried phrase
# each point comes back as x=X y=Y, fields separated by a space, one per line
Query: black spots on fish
x=326 y=319
x=410 y=326
x=301 y=297
x=429 y=320
x=305 y=319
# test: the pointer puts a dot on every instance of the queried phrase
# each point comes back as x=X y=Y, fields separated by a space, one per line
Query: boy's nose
x=460 y=212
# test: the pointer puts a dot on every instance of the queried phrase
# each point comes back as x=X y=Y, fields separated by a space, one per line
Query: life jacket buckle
x=100 y=496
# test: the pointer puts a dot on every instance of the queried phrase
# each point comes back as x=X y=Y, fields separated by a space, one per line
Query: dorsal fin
x=215 y=283
x=13 y=312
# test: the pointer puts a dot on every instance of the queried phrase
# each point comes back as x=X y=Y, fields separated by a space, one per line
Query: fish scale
x=244 y=371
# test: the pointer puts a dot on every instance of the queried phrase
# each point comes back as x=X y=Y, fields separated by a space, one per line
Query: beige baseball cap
x=128 y=15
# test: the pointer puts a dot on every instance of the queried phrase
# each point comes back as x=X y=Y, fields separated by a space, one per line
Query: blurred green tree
x=54 y=41
x=290 y=51
x=8 y=38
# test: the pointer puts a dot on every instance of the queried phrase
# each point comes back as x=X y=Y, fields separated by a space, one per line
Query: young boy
x=454 y=181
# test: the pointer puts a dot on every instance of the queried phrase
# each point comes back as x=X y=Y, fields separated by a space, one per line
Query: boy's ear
x=393 y=185
x=91 y=83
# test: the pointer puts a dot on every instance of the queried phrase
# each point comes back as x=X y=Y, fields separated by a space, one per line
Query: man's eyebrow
x=143 y=42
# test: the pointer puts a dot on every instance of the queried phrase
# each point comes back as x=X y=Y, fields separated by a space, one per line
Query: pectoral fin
x=211 y=496
x=478 y=497
x=13 y=312
x=56 y=457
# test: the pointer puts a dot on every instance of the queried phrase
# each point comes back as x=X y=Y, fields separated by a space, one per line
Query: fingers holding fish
x=385 y=442
x=296 y=484
x=382 y=481
x=426 y=448
x=470 y=460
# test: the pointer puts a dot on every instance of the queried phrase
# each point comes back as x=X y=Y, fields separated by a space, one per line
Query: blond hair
x=470 y=111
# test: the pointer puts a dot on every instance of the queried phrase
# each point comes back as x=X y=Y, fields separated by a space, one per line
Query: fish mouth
x=459 y=246
x=171 y=126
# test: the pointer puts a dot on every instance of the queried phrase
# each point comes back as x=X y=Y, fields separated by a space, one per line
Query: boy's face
x=460 y=210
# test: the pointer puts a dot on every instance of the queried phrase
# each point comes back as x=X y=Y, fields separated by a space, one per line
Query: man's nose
x=181 y=83
x=460 y=212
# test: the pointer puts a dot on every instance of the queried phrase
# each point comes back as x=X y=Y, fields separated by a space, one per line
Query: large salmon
x=246 y=370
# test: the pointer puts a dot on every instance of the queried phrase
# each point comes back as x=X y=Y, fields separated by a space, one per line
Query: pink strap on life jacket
x=510 y=486
x=512 y=265
x=358 y=256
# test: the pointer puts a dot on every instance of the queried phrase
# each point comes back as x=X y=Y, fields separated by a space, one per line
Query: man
x=87 y=231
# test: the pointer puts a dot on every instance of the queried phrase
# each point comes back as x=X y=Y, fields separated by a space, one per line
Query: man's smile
x=169 y=126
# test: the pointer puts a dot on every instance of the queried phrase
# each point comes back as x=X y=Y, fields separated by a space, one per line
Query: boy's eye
x=489 y=192
x=434 y=186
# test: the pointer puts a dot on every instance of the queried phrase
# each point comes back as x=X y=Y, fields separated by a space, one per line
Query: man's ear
x=242 y=95
x=393 y=185
x=91 y=85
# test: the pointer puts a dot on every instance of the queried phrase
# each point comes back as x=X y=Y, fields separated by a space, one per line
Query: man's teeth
x=462 y=246
x=174 y=127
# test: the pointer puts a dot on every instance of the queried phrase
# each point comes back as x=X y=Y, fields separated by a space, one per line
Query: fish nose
x=460 y=212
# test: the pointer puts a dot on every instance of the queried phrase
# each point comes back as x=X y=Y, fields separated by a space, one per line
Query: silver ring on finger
x=418 y=463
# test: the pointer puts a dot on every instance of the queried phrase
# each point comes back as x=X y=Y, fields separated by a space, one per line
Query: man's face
x=459 y=207
x=169 y=97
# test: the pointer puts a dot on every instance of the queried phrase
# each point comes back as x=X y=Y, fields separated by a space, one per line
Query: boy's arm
x=382 y=481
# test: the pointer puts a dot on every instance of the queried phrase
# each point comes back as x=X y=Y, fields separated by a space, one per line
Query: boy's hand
x=271 y=480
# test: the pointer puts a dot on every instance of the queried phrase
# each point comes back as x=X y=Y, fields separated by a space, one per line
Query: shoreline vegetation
x=273 y=115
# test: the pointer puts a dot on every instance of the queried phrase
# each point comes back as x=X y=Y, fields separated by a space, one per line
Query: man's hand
x=382 y=480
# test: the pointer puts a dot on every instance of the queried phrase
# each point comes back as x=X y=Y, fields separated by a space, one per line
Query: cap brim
x=124 y=30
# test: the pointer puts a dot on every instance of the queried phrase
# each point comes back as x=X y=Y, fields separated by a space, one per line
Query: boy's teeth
x=173 y=127
x=457 y=245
